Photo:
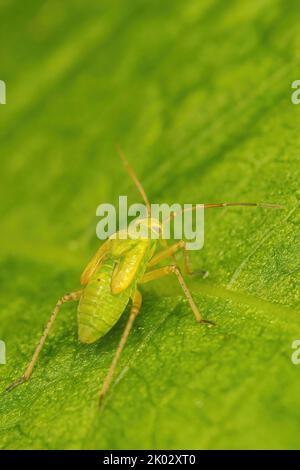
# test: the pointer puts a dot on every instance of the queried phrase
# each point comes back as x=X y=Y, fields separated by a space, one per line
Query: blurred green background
x=198 y=93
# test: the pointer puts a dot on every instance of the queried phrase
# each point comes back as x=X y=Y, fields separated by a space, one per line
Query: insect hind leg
x=28 y=371
x=135 y=308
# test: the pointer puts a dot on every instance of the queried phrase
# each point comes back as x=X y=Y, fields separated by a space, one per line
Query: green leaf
x=199 y=96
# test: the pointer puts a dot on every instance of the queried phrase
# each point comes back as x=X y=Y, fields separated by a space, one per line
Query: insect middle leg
x=170 y=251
x=135 y=308
x=28 y=371
x=173 y=269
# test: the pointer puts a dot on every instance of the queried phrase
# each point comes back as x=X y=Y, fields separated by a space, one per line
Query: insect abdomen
x=99 y=309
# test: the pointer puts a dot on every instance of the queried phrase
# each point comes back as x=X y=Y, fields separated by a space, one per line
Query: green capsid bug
x=113 y=277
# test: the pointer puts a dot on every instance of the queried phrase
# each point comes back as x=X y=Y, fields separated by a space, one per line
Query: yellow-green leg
x=135 y=308
x=171 y=251
x=28 y=371
x=173 y=269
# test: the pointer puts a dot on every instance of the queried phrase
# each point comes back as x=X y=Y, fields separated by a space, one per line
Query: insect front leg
x=28 y=371
x=135 y=308
x=171 y=251
x=173 y=269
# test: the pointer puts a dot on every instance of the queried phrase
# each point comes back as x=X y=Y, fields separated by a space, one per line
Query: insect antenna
x=134 y=178
x=249 y=204
x=223 y=204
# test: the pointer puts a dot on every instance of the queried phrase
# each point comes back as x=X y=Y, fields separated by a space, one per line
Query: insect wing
x=95 y=262
x=129 y=265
